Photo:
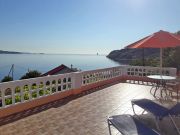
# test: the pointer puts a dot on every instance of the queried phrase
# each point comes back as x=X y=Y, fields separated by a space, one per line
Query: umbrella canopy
x=161 y=39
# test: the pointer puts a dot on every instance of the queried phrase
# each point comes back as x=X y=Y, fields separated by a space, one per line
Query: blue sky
x=82 y=26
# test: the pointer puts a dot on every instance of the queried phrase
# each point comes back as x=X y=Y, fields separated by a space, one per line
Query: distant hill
x=126 y=55
x=14 y=52
x=9 y=52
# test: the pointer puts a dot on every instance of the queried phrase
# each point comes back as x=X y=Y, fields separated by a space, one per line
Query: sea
x=45 y=62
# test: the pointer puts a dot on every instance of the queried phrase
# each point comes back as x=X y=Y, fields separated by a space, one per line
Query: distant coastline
x=14 y=52
x=9 y=52
x=126 y=56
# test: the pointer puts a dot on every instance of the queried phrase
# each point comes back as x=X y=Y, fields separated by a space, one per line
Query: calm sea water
x=46 y=62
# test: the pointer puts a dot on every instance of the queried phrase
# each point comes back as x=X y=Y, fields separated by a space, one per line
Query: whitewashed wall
x=20 y=91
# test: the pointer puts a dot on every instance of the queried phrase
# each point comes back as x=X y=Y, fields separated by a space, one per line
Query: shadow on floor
x=54 y=104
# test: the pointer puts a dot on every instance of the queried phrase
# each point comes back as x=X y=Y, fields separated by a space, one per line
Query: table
x=162 y=77
x=160 y=82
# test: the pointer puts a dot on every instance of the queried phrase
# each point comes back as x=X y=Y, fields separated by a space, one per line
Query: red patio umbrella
x=161 y=39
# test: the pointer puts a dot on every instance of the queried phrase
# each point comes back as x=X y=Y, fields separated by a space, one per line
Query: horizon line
x=24 y=52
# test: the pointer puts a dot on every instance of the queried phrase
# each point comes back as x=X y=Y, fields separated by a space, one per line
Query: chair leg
x=109 y=127
x=153 y=86
x=143 y=111
x=151 y=89
x=157 y=124
x=155 y=91
x=174 y=124
x=133 y=108
x=163 y=90
x=177 y=92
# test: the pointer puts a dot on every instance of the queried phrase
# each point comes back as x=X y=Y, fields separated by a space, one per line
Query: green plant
x=47 y=92
x=53 y=89
x=34 y=94
x=41 y=92
x=17 y=90
x=7 y=79
x=26 y=88
x=8 y=101
x=26 y=96
x=148 y=62
x=41 y=85
x=173 y=57
x=17 y=98
x=31 y=74
x=34 y=86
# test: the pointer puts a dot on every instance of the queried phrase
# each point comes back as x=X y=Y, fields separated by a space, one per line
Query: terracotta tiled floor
x=85 y=115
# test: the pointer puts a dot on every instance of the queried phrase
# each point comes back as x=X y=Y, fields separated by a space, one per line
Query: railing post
x=3 y=98
x=124 y=70
x=13 y=95
x=22 y=94
x=77 y=80
x=37 y=91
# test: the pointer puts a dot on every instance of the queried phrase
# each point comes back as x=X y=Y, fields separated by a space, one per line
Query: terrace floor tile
x=84 y=115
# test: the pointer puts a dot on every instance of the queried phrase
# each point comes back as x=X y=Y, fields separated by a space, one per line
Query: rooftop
x=84 y=114
x=60 y=70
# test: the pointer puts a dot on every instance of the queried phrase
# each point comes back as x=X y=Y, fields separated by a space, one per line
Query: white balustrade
x=89 y=77
x=145 y=71
x=20 y=91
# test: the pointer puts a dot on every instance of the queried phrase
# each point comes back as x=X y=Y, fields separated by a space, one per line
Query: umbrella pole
x=143 y=62
x=161 y=55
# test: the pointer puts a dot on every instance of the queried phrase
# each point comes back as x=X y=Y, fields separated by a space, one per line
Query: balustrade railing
x=89 y=77
x=20 y=91
x=145 y=71
x=26 y=90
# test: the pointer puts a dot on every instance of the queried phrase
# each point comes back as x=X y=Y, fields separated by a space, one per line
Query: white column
x=13 y=95
x=76 y=80
x=22 y=94
x=124 y=70
x=3 y=98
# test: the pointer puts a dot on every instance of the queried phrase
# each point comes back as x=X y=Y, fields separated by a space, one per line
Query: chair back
x=175 y=110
